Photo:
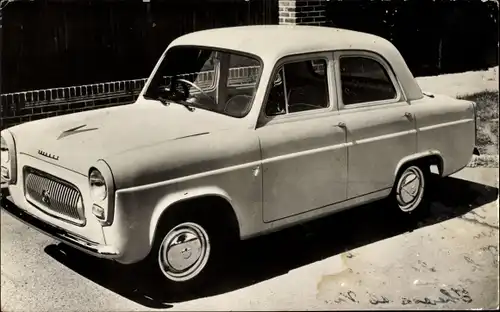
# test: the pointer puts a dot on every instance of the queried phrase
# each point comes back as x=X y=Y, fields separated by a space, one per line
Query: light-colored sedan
x=238 y=132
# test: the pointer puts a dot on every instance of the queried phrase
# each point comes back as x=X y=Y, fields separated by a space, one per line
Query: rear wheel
x=410 y=192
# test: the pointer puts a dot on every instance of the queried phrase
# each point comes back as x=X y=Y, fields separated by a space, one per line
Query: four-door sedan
x=238 y=132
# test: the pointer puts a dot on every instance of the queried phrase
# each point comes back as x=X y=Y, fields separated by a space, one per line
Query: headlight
x=5 y=150
x=97 y=185
x=102 y=190
x=8 y=158
x=5 y=158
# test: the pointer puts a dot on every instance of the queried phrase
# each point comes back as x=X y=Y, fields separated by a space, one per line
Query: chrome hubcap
x=410 y=189
x=184 y=252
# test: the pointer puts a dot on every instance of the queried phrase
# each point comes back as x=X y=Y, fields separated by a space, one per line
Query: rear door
x=380 y=124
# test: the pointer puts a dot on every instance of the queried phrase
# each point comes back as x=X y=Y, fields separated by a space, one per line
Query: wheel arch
x=432 y=157
x=218 y=201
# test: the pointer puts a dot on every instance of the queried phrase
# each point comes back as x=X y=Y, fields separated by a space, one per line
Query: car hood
x=77 y=141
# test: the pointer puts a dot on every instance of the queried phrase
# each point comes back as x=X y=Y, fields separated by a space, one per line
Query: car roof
x=273 y=42
x=276 y=41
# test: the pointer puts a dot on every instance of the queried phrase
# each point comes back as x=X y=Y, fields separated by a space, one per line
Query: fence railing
x=67 y=95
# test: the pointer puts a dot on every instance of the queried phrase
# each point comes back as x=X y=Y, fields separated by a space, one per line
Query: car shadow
x=276 y=254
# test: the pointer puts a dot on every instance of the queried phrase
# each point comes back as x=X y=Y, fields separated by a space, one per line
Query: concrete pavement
x=364 y=258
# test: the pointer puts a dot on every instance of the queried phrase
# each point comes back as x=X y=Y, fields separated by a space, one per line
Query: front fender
x=181 y=196
x=139 y=211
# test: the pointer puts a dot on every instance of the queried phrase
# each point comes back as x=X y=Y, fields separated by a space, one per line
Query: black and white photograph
x=225 y=155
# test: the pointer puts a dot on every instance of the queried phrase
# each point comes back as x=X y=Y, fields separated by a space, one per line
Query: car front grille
x=54 y=196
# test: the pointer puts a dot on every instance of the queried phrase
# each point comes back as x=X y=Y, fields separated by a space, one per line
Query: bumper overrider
x=57 y=233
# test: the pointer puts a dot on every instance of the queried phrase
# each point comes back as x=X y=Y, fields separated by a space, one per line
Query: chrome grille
x=54 y=196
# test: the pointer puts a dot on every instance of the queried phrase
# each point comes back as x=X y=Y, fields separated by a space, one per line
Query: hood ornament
x=55 y=157
x=74 y=130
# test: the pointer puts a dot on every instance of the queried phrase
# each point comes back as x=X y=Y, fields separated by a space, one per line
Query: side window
x=298 y=86
x=364 y=80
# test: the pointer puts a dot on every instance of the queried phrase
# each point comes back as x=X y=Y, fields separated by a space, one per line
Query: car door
x=380 y=124
x=304 y=157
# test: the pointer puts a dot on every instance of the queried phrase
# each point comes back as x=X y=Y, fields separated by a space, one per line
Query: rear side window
x=364 y=80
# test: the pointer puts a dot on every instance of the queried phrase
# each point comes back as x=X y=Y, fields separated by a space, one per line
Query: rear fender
x=415 y=157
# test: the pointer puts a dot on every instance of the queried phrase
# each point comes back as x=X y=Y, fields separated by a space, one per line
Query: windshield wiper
x=166 y=102
x=163 y=101
x=189 y=107
x=159 y=98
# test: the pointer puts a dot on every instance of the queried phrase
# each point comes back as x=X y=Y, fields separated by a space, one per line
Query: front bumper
x=75 y=241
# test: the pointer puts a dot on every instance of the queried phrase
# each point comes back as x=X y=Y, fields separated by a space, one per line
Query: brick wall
x=302 y=12
x=26 y=106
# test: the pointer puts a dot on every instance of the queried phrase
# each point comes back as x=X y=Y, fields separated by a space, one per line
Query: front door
x=380 y=124
x=304 y=157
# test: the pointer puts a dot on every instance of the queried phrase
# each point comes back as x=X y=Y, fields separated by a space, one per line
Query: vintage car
x=238 y=132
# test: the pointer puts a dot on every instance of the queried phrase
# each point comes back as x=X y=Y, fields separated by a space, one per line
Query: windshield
x=219 y=81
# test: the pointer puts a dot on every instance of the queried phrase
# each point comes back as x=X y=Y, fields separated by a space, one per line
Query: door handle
x=408 y=115
x=342 y=125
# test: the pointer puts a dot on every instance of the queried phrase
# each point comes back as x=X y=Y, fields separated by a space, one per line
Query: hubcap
x=410 y=189
x=184 y=252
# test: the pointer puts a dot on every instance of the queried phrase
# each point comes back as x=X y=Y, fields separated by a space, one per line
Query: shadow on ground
x=269 y=256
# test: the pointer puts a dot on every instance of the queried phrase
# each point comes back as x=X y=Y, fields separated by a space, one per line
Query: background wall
x=50 y=43
x=52 y=49
x=435 y=37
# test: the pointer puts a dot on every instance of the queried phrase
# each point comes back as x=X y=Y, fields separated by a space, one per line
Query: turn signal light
x=98 y=212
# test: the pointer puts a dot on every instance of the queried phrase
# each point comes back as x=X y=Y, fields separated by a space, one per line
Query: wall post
x=302 y=12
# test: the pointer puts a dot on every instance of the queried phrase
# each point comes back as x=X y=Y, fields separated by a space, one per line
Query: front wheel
x=184 y=252
x=185 y=255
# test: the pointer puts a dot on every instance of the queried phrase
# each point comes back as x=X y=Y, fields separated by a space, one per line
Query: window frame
x=380 y=60
x=327 y=56
x=215 y=82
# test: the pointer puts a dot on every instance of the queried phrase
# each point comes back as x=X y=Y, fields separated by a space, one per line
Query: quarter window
x=298 y=86
x=364 y=80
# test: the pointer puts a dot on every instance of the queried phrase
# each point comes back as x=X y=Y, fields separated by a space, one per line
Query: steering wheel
x=238 y=105
x=196 y=87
